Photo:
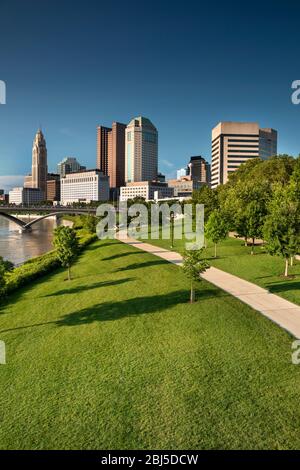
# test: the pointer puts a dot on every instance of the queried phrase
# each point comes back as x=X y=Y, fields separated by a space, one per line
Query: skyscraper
x=233 y=143
x=111 y=153
x=39 y=163
x=68 y=165
x=103 y=148
x=141 y=150
x=199 y=169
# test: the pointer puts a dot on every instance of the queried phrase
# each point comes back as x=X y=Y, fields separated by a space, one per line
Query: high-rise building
x=199 y=169
x=103 y=148
x=111 y=153
x=69 y=165
x=39 y=163
x=233 y=143
x=141 y=150
x=53 y=187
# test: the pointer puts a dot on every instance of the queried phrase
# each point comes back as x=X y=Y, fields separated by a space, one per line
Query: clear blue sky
x=71 y=65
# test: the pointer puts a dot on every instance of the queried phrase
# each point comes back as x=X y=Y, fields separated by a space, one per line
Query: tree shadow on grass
x=284 y=286
x=121 y=255
x=143 y=265
x=110 y=311
x=96 y=285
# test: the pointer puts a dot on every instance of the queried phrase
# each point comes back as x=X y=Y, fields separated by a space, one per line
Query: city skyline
x=176 y=83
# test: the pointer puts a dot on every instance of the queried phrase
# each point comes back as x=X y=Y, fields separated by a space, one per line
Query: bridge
x=6 y=212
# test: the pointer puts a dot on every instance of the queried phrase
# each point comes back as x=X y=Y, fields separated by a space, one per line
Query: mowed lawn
x=260 y=268
x=118 y=359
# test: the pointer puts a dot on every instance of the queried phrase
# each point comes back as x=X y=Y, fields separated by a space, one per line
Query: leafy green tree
x=4 y=267
x=67 y=246
x=194 y=265
x=208 y=197
x=245 y=208
x=282 y=227
x=255 y=213
x=216 y=228
x=90 y=224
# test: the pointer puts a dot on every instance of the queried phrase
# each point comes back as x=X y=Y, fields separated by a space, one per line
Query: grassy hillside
x=117 y=358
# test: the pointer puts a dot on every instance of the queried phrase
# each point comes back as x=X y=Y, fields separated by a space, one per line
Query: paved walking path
x=281 y=311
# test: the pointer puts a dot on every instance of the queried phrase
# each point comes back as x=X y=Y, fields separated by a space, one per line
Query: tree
x=208 y=197
x=255 y=213
x=4 y=267
x=193 y=266
x=216 y=228
x=282 y=227
x=90 y=223
x=246 y=206
x=66 y=243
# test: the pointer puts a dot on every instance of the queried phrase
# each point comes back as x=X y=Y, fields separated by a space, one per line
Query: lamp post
x=172 y=216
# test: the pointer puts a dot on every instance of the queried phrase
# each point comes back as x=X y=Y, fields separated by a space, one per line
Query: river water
x=19 y=247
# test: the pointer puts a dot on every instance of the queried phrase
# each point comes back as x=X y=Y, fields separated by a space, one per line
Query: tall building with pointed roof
x=141 y=150
x=39 y=162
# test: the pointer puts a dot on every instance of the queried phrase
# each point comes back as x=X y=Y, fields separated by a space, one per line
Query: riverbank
x=20 y=247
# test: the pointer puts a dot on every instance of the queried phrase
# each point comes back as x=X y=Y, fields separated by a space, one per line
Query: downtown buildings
x=111 y=153
x=84 y=186
x=69 y=165
x=141 y=151
x=39 y=170
x=233 y=143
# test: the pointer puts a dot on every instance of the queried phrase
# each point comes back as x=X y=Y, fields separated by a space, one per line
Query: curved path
x=286 y=314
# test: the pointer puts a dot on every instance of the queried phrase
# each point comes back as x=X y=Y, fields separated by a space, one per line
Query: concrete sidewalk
x=280 y=311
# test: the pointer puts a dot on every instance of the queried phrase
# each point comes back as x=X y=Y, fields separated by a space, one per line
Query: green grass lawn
x=118 y=359
x=260 y=268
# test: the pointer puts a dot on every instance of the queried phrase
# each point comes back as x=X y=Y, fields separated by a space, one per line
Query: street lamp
x=172 y=216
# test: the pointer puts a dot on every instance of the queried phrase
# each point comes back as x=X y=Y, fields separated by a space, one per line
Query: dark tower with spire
x=39 y=162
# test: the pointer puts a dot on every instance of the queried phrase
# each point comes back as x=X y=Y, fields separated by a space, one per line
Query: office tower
x=111 y=153
x=116 y=156
x=39 y=162
x=141 y=150
x=267 y=143
x=84 y=186
x=68 y=165
x=103 y=148
x=199 y=169
x=53 y=187
x=233 y=143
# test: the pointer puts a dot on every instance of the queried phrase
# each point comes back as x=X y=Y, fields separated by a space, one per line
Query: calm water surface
x=19 y=247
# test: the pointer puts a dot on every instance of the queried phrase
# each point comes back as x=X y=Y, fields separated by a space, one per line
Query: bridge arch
x=10 y=217
x=27 y=225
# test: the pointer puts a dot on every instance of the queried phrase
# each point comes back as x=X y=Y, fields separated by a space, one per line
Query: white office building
x=148 y=190
x=26 y=196
x=234 y=143
x=84 y=186
x=141 y=150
